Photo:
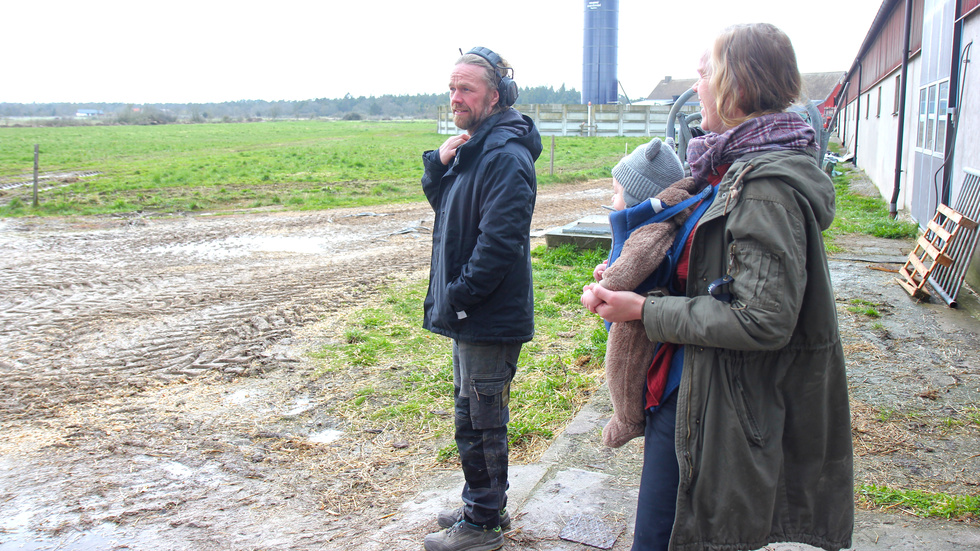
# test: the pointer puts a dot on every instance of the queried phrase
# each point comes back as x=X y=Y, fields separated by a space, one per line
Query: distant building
x=669 y=89
x=88 y=113
x=822 y=88
x=817 y=87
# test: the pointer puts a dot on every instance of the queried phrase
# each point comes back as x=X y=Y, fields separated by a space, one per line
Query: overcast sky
x=200 y=51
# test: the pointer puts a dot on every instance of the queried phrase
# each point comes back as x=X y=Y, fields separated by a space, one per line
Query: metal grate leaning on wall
x=947 y=280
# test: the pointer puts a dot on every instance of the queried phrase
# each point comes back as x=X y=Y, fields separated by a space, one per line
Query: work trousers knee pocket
x=489 y=404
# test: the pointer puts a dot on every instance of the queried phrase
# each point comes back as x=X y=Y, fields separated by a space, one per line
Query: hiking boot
x=464 y=536
x=450 y=517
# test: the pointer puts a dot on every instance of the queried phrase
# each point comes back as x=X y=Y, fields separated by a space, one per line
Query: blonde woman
x=753 y=444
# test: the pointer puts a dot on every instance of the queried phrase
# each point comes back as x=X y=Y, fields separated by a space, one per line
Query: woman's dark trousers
x=658 y=483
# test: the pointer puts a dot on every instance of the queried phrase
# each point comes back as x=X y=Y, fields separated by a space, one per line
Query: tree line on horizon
x=386 y=107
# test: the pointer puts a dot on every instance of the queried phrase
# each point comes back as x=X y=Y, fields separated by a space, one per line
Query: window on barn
x=920 y=140
x=931 y=120
x=941 y=116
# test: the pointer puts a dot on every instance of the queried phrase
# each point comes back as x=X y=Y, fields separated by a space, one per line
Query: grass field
x=214 y=167
x=403 y=373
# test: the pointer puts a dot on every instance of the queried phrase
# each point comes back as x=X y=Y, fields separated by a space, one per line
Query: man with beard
x=481 y=185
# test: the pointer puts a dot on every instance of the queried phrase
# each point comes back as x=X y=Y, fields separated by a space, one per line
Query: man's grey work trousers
x=482 y=374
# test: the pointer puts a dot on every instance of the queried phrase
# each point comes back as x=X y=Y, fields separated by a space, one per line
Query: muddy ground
x=156 y=389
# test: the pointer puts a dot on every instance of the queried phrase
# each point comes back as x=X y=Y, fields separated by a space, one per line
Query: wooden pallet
x=931 y=250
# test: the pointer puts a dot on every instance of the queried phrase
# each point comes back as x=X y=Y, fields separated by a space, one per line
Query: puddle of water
x=326 y=436
x=101 y=538
x=245 y=245
x=240 y=397
x=254 y=398
x=299 y=406
x=16 y=523
x=178 y=469
x=304 y=245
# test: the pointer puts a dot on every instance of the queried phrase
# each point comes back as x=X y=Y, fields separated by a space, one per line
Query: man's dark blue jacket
x=480 y=278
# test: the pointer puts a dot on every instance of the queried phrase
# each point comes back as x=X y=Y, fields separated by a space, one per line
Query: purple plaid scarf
x=773 y=132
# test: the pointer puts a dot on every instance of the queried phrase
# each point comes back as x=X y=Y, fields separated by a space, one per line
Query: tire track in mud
x=95 y=313
x=45 y=179
x=90 y=312
x=100 y=306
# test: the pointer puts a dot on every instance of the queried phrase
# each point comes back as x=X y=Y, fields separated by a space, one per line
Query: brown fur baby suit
x=628 y=351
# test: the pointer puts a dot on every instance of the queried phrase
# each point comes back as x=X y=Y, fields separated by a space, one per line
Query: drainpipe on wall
x=957 y=77
x=900 y=145
x=857 y=113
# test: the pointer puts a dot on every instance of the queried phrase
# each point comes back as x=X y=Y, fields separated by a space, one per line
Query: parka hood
x=502 y=127
x=799 y=171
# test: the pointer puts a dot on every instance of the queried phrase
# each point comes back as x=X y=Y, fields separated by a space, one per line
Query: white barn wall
x=967 y=144
x=876 y=141
x=875 y=145
x=967 y=148
x=845 y=127
x=911 y=118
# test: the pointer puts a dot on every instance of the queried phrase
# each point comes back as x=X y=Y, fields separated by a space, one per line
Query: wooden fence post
x=552 y=155
x=35 y=174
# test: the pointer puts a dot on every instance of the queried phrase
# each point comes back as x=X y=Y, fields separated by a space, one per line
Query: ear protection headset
x=506 y=86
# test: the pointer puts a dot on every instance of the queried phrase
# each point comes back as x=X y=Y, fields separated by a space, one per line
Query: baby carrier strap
x=625 y=222
x=707 y=195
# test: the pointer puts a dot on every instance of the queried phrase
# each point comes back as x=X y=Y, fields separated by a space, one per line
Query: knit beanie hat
x=647 y=171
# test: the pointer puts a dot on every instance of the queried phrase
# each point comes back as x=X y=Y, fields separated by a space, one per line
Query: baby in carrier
x=651 y=219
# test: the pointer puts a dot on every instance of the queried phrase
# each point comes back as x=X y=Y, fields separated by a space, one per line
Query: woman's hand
x=613 y=306
x=617 y=306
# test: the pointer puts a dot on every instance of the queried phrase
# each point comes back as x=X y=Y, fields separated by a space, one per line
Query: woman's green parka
x=763 y=435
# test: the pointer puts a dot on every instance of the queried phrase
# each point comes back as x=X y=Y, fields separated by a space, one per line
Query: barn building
x=907 y=116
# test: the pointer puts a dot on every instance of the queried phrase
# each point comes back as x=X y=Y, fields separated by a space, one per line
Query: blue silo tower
x=601 y=48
